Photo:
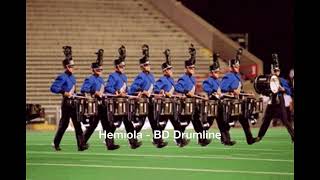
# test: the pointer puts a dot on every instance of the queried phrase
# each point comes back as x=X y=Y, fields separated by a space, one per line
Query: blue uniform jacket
x=185 y=84
x=115 y=82
x=230 y=82
x=141 y=83
x=92 y=84
x=285 y=84
x=63 y=83
x=210 y=85
x=164 y=83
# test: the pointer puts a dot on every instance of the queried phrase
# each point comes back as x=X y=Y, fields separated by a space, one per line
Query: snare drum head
x=142 y=100
x=274 y=84
x=189 y=100
x=119 y=99
x=166 y=99
x=213 y=101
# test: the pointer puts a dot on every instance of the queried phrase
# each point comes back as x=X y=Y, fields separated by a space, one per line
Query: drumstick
x=227 y=95
x=157 y=95
x=246 y=94
x=113 y=95
x=178 y=96
x=75 y=96
x=200 y=97
x=131 y=96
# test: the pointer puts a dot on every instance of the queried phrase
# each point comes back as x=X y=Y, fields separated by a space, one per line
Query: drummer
x=231 y=83
x=212 y=87
x=117 y=85
x=94 y=85
x=276 y=106
x=143 y=86
x=186 y=85
x=65 y=84
x=165 y=86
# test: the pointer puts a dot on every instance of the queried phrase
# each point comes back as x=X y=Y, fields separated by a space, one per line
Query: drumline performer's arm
x=225 y=82
x=158 y=87
x=179 y=87
x=86 y=86
x=284 y=86
x=207 y=87
x=136 y=86
x=56 y=86
x=110 y=86
x=99 y=93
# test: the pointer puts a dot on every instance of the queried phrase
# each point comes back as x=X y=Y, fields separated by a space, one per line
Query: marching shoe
x=204 y=142
x=162 y=144
x=86 y=145
x=230 y=143
x=82 y=148
x=257 y=139
x=113 y=147
x=110 y=144
x=159 y=143
x=253 y=140
x=134 y=144
x=56 y=148
x=185 y=142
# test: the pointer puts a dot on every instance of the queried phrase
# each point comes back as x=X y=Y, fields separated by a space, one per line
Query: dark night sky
x=268 y=22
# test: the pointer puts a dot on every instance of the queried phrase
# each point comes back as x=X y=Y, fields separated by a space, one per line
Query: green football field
x=272 y=159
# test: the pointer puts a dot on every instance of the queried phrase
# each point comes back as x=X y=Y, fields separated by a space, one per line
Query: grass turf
x=270 y=159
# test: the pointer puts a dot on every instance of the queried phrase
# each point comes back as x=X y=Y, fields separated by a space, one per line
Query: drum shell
x=233 y=107
x=90 y=107
x=187 y=106
x=259 y=106
x=139 y=107
x=120 y=106
x=211 y=108
x=262 y=84
x=165 y=106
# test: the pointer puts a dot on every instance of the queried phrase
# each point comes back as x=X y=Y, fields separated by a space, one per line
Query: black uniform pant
x=154 y=122
x=198 y=121
x=94 y=121
x=68 y=111
x=224 y=127
x=133 y=130
x=180 y=129
x=276 y=111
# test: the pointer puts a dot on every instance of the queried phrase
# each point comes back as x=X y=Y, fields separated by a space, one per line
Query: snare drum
x=140 y=107
x=233 y=107
x=164 y=106
x=211 y=108
x=90 y=107
x=236 y=108
x=120 y=106
x=250 y=104
x=258 y=106
x=187 y=106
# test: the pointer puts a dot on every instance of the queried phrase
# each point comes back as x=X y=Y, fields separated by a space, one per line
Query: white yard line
x=161 y=156
x=187 y=147
x=163 y=168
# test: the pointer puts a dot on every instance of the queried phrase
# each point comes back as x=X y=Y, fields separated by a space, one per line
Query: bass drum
x=267 y=84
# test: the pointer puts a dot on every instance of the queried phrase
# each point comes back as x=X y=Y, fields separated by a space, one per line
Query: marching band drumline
x=179 y=104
